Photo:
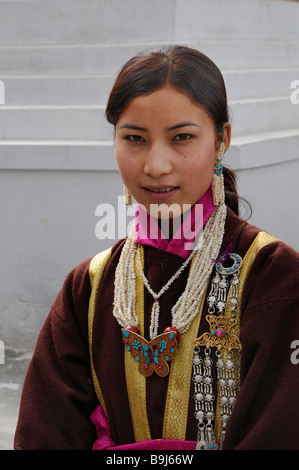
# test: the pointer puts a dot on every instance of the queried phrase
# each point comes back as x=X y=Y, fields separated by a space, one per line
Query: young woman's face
x=166 y=147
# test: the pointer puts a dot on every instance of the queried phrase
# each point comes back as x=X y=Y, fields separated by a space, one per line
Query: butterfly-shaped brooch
x=152 y=356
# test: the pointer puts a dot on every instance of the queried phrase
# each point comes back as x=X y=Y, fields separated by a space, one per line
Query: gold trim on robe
x=177 y=400
x=96 y=270
x=136 y=382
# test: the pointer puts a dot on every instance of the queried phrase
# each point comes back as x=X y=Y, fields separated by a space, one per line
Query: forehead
x=165 y=104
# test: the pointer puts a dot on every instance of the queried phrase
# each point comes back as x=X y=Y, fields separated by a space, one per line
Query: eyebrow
x=132 y=126
x=183 y=124
x=176 y=126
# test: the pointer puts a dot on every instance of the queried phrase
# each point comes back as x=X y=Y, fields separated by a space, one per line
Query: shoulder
x=83 y=272
x=274 y=275
x=240 y=231
x=71 y=303
x=102 y=260
x=265 y=245
x=273 y=272
x=272 y=279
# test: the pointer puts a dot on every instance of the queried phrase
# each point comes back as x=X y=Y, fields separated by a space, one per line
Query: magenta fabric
x=101 y=424
x=104 y=441
x=182 y=243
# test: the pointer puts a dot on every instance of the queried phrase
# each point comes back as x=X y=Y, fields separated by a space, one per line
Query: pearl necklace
x=187 y=306
x=153 y=331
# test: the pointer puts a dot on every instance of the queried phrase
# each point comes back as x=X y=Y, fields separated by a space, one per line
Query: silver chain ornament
x=227 y=354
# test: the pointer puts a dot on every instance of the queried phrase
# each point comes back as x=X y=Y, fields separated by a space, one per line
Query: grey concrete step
x=245 y=152
x=255 y=116
x=249 y=116
x=12 y=374
x=57 y=155
x=80 y=22
x=108 y=58
x=54 y=122
x=259 y=83
x=71 y=90
x=84 y=90
x=97 y=21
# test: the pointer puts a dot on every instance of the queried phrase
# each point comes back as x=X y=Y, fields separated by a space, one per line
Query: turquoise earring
x=218 y=178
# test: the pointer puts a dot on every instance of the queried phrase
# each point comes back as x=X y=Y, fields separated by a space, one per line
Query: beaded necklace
x=154 y=355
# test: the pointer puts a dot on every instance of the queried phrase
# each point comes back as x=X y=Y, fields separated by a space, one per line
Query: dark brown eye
x=182 y=137
x=134 y=138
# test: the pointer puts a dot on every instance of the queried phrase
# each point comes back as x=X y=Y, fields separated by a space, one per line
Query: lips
x=160 y=193
x=160 y=189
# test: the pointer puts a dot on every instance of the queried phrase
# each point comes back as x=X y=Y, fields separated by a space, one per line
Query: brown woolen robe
x=58 y=394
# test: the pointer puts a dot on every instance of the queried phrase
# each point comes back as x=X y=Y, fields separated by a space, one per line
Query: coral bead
x=171 y=329
x=133 y=328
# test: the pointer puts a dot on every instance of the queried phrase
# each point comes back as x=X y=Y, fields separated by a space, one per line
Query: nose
x=158 y=161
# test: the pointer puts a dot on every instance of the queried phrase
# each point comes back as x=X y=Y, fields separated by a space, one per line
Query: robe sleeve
x=58 y=395
x=266 y=413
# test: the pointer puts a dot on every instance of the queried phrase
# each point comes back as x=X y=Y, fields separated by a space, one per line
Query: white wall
x=58 y=60
x=49 y=228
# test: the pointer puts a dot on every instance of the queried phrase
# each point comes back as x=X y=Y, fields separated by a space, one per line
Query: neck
x=169 y=227
x=177 y=235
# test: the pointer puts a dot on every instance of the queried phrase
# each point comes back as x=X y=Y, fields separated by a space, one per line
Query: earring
x=218 y=179
x=127 y=196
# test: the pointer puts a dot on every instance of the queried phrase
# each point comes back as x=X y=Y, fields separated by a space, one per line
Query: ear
x=225 y=136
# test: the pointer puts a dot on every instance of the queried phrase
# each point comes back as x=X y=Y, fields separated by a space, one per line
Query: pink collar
x=182 y=243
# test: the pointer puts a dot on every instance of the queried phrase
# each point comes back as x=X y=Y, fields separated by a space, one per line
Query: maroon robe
x=58 y=395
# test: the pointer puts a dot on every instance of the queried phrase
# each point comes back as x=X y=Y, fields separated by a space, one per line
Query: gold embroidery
x=136 y=382
x=96 y=269
x=177 y=401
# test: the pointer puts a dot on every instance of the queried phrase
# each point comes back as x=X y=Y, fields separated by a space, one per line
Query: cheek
x=128 y=168
x=122 y=159
x=199 y=165
x=125 y=174
x=198 y=171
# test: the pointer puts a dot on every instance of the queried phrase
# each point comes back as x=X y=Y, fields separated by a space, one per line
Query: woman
x=176 y=340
